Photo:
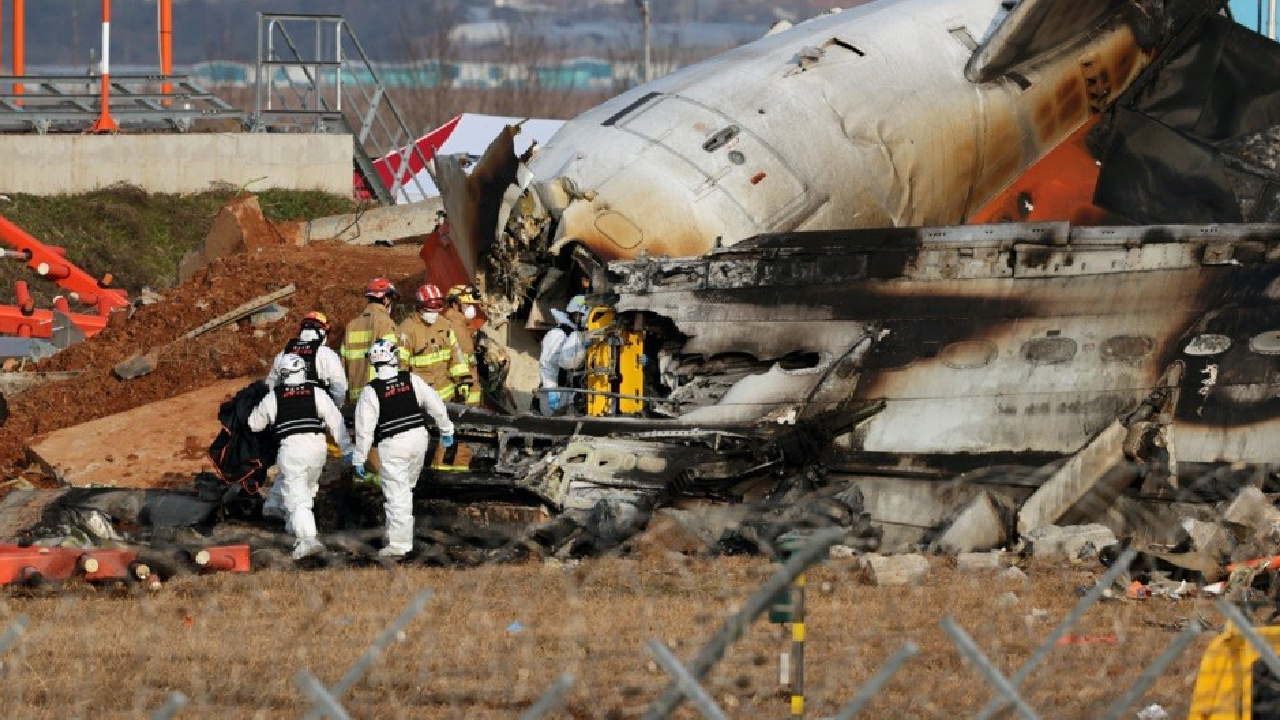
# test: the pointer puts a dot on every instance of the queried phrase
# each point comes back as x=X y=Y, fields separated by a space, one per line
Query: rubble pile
x=329 y=278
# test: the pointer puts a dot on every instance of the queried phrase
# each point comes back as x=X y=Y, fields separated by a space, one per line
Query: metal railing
x=301 y=86
x=51 y=103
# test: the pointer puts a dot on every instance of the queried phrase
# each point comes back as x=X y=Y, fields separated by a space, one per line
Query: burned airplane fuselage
x=921 y=345
x=993 y=340
x=778 y=224
x=894 y=113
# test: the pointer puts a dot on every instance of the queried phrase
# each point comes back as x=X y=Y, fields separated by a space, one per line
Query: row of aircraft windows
x=974 y=354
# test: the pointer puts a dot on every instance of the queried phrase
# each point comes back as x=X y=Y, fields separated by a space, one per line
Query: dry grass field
x=234 y=644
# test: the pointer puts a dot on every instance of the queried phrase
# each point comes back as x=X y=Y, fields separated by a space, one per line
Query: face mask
x=309 y=335
x=431 y=316
x=386 y=372
x=469 y=312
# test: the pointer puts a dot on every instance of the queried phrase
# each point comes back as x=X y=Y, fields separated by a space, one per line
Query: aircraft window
x=721 y=138
x=1208 y=344
x=1126 y=347
x=1268 y=343
x=968 y=354
x=1049 y=350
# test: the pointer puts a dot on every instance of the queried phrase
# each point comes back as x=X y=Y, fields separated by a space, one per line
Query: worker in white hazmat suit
x=564 y=351
x=300 y=412
x=390 y=415
x=324 y=368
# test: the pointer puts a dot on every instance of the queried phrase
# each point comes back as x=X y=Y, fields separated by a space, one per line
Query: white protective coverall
x=562 y=349
x=401 y=456
x=329 y=368
x=301 y=458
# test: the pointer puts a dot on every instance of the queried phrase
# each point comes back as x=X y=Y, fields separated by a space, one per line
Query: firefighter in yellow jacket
x=460 y=310
x=429 y=346
x=374 y=323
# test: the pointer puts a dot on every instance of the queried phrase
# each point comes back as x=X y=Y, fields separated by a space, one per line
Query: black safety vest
x=296 y=410
x=307 y=351
x=398 y=408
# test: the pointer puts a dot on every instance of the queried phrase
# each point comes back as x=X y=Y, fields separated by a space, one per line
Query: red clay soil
x=329 y=278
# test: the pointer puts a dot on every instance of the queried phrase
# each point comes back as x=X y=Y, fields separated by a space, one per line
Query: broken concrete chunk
x=1073 y=481
x=978 y=526
x=149 y=297
x=898 y=569
x=272 y=313
x=1007 y=601
x=1013 y=575
x=1209 y=537
x=980 y=560
x=840 y=551
x=1069 y=542
x=1253 y=510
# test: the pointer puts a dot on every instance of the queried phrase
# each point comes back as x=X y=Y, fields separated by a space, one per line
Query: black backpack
x=239 y=455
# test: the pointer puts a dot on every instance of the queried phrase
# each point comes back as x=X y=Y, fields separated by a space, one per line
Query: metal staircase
x=314 y=76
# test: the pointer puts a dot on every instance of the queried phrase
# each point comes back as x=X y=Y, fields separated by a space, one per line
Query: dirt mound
x=329 y=278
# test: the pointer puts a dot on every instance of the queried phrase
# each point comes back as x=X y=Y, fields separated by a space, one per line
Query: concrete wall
x=173 y=163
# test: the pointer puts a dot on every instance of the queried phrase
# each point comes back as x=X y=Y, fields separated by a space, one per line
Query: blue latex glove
x=446 y=440
x=361 y=474
x=347 y=458
x=553 y=401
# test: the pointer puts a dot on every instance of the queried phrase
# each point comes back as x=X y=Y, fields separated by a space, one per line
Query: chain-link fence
x=645 y=634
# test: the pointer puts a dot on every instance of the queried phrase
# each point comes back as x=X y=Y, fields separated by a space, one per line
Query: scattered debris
x=1073 y=481
x=980 y=525
x=143 y=363
x=898 y=569
x=1253 y=510
x=272 y=313
x=1070 y=639
x=980 y=560
x=1013 y=575
x=1068 y=543
x=1007 y=601
x=1153 y=712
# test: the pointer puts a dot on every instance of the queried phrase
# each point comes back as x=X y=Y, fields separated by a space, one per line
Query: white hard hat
x=382 y=352
x=292 y=368
x=577 y=304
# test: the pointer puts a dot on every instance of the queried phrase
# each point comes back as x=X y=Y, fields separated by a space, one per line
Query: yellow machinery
x=613 y=365
x=1233 y=683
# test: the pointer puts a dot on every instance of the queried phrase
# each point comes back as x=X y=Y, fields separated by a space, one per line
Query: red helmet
x=379 y=288
x=430 y=297
x=315 y=319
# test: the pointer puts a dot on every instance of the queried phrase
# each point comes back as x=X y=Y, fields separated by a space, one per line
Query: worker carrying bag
x=241 y=456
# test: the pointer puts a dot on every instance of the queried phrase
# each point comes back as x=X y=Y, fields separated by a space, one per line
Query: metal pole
x=1271 y=19
x=105 y=123
x=648 y=45
x=2 y=41
x=815 y=550
x=19 y=42
x=337 y=55
x=166 y=44
x=797 y=648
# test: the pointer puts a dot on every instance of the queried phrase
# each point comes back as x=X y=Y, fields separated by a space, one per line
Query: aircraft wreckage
x=775 y=241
